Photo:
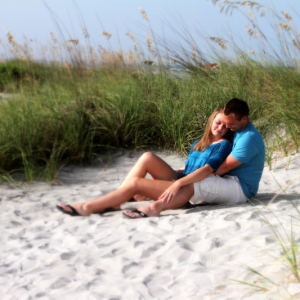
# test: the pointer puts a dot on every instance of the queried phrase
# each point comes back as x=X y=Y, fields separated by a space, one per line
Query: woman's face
x=218 y=127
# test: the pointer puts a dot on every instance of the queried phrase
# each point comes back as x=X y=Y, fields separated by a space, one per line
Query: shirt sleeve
x=245 y=149
x=218 y=154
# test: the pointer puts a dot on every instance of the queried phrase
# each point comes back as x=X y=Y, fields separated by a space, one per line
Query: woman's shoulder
x=222 y=144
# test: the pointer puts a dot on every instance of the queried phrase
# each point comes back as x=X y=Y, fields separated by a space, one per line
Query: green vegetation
x=75 y=101
x=56 y=114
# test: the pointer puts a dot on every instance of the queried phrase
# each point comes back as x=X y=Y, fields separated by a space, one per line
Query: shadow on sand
x=262 y=199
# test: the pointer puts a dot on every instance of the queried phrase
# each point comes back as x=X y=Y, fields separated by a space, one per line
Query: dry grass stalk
x=230 y=6
x=296 y=62
x=85 y=33
x=107 y=34
x=286 y=15
x=149 y=62
x=210 y=67
x=132 y=37
x=12 y=40
x=144 y=15
x=53 y=37
x=219 y=41
x=285 y=26
x=73 y=41
x=251 y=32
x=131 y=57
x=296 y=43
x=194 y=55
x=149 y=43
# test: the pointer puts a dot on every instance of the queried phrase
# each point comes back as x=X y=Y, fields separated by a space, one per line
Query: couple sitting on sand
x=217 y=170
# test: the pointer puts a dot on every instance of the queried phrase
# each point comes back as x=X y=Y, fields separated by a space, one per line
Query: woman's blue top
x=213 y=155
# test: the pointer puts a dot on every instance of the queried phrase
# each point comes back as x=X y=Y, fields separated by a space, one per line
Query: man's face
x=232 y=123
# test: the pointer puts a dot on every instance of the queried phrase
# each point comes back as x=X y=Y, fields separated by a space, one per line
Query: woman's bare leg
x=152 y=164
x=142 y=186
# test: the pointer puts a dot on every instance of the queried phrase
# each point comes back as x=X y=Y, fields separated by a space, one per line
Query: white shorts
x=216 y=189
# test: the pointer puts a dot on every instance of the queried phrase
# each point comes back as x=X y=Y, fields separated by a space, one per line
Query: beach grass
x=56 y=114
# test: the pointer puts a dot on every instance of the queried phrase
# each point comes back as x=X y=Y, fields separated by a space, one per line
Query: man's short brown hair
x=238 y=107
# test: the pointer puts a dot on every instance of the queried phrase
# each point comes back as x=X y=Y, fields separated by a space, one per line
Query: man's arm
x=229 y=163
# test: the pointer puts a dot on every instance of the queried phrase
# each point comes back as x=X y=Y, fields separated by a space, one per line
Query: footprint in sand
x=67 y=255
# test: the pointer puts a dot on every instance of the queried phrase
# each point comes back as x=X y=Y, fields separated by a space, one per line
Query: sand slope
x=185 y=254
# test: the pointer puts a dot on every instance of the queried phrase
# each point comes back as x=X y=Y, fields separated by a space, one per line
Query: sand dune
x=184 y=254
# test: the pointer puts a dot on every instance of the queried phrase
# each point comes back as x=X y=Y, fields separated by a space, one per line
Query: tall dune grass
x=69 y=100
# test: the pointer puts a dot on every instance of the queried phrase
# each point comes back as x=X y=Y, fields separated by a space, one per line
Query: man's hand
x=229 y=163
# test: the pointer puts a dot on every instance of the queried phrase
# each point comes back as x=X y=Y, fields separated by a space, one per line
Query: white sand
x=185 y=254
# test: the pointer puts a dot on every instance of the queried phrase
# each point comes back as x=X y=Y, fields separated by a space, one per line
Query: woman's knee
x=134 y=183
x=148 y=156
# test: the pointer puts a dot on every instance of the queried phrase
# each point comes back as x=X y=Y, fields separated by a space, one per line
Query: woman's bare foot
x=146 y=211
x=139 y=198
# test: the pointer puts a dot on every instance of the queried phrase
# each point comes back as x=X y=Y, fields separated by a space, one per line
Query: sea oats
x=251 y=31
x=132 y=37
x=296 y=62
x=285 y=26
x=53 y=37
x=219 y=41
x=73 y=41
x=131 y=57
x=85 y=32
x=149 y=62
x=296 y=43
x=194 y=55
x=144 y=15
x=12 y=40
x=119 y=57
x=107 y=34
x=102 y=50
x=210 y=67
x=286 y=15
x=149 y=43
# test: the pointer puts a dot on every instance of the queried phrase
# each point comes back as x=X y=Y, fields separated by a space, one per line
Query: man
x=243 y=168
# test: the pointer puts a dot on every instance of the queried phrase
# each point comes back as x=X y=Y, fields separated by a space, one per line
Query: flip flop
x=142 y=215
x=72 y=213
x=107 y=210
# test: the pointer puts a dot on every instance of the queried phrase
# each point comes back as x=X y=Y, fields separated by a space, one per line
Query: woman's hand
x=168 y=195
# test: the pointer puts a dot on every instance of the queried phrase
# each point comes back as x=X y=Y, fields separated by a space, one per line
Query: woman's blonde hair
x=208 y=137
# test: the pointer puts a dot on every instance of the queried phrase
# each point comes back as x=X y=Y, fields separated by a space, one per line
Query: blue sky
x=35 y=19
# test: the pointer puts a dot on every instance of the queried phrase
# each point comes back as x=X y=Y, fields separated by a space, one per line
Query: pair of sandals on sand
x=74 y=213
x=138 y=214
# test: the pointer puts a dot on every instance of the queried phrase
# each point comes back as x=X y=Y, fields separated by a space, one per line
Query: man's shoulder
x=249 y=132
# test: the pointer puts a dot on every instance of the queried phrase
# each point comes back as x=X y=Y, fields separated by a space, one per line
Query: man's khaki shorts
x=219 y=190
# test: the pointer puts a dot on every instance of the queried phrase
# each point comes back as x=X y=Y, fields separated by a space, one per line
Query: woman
x=172 y=189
